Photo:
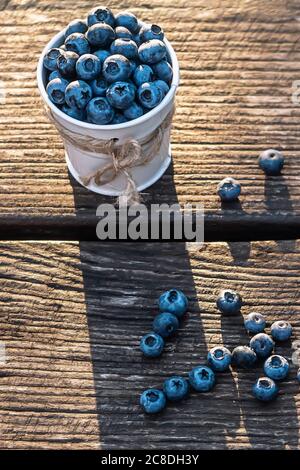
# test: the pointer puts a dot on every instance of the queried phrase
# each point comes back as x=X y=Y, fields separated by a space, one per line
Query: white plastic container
x=84 y=163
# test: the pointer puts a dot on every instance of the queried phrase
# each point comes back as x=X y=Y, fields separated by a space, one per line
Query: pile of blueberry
x=111 y=68
x=270 y=161
x=173 y=305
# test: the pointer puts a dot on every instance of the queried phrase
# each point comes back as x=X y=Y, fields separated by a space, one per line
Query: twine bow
x=130 y=154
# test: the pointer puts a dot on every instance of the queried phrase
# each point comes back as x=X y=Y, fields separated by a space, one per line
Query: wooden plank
x=238 y=63
x=71 y=318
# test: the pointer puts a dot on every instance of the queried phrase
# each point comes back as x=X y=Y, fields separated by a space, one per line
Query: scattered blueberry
x=243 y=356
x=74 y=113
x=162 y=86
x=66 y=63
x=153 y=401
x=56 y=90
x=142 y=74
x=50 y=59
x=219 y=358
x=76 y=26
x=78 y=94
x=176 y=388
x=173 y=301
x=100 y=35
x=262 y=344
x=163 y=71
x=122 y=32
x=127 y=20
x=276 y=367
x=202 y=379
x=120 y=94
x=265 y=389
x=281 y=330
x=255 y=322
x=152 y=345
x=125 y=47
x=149 y=95
x=271 y=162
x=101 y=15
x=229 y=189
x=165 y=324
x=153 y=51
x=77 y=42
x=88 y=67
x=116 y=68
x=134 y=111
x=151 y=31
x=99 y=111
x=229 y=302
x=99 y=87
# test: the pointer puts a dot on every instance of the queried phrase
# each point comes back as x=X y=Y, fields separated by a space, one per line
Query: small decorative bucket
x=121 y=159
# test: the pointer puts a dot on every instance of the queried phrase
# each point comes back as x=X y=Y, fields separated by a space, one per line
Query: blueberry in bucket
x=149 y=95
x=116 y=68
x=120 y=95
x=99 y=111
x=78 y=94
x=56 y=90
x=88 y=67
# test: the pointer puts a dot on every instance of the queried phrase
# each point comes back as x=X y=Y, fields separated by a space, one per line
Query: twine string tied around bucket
x=130 y=154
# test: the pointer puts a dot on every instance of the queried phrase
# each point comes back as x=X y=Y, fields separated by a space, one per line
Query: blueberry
x=265 y=389
x=281 y=330
x=176 y=388
x=151 y=31
x=76 y=26
x=125 y=47
x=163 y=86
x=78 y=94
x=271 y=162
x=142 y=74
x=219 y=358
x=54 y=74
x=100 y=35
x=116 y=68
x=119 y=118
x=88 y=67
x=149 y=95
x=173 y=301
x=262 y=344
x=276 y=367
x=66 y=63
x=99 y=111
x=77 y=42
x=73 y=112
x=56 y=90
x=243 y=356
x=120 y=94
x=133 y=66
x=153 y=401
x=122 y=32
x=134 y=111
x=136 y=39
x=101 y=15
x=202 y=379
x=151 y=52
x=163 y=71
x=255 y=323
x=165 y=324
x=99 y=87
x=102 y=54
x=127 y=20
x=229 y=302
x=50 y=59
x=152 y=345
x=229 y=189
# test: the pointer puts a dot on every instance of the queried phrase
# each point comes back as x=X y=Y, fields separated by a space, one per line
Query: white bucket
x=84 y=163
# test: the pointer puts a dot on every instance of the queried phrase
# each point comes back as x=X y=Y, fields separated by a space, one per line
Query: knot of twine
x=131 y=153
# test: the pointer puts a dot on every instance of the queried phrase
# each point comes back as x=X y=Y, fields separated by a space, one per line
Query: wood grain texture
x=238 y=62
x=71 y=318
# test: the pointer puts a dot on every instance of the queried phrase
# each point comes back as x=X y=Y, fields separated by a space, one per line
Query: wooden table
x=72 y=310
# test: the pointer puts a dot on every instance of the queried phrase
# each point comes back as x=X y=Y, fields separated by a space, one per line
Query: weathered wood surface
x=71 y=317
x=238 y=62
